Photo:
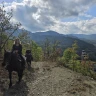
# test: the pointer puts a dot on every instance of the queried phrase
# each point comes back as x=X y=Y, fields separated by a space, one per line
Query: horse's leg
x=10 y=77
x=27 y=65
x=30 y=64
x=20 y=74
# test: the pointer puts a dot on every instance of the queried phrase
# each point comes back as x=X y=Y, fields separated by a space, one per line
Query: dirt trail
x=48 y=79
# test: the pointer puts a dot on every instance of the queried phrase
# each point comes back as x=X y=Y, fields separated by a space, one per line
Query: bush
x=61 y=61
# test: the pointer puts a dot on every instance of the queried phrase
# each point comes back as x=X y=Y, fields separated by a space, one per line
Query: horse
x=13 y=64
x=29 y=57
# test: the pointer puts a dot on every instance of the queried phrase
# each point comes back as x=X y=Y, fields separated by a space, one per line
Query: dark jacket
x=19 y=48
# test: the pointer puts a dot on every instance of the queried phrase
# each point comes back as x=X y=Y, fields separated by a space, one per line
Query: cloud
x=41 y=15
x=79 y=27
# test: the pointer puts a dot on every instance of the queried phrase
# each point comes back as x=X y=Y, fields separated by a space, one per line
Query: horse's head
x=7 y=56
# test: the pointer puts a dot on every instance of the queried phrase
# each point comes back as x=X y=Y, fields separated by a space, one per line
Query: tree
x=70 y=55
x=51 y=50
x=37 y=52
x=74 y=50
x=6 y=27
x=67 y=55
x=55 y=52
x=74 y=53
x=25 y=39
x=47 y=48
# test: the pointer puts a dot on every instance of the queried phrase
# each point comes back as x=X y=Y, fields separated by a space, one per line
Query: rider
x=17 y=47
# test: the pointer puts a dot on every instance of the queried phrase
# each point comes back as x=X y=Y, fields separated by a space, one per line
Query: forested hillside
x=90 y=38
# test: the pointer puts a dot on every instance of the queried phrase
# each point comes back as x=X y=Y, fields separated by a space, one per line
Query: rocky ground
x=47 y=79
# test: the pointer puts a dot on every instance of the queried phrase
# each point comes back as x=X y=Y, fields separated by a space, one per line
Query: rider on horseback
x=17 y=48
x=14 y=61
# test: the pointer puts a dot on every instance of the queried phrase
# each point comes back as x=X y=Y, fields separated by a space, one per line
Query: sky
x=62 y=16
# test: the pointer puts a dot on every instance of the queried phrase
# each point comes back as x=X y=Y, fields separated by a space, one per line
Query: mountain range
x=88 y=38
x=83 y=36
x=85 y=42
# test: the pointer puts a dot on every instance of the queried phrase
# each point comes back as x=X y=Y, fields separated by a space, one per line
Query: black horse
x=29 y=57
x=13 y=64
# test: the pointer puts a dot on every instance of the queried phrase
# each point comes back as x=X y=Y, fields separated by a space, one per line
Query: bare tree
x=51 y=49
x=47 y=49
x=24 y=37
x=6 y=27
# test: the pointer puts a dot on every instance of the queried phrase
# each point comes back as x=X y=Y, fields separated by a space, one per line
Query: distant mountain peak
x=48 y=33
